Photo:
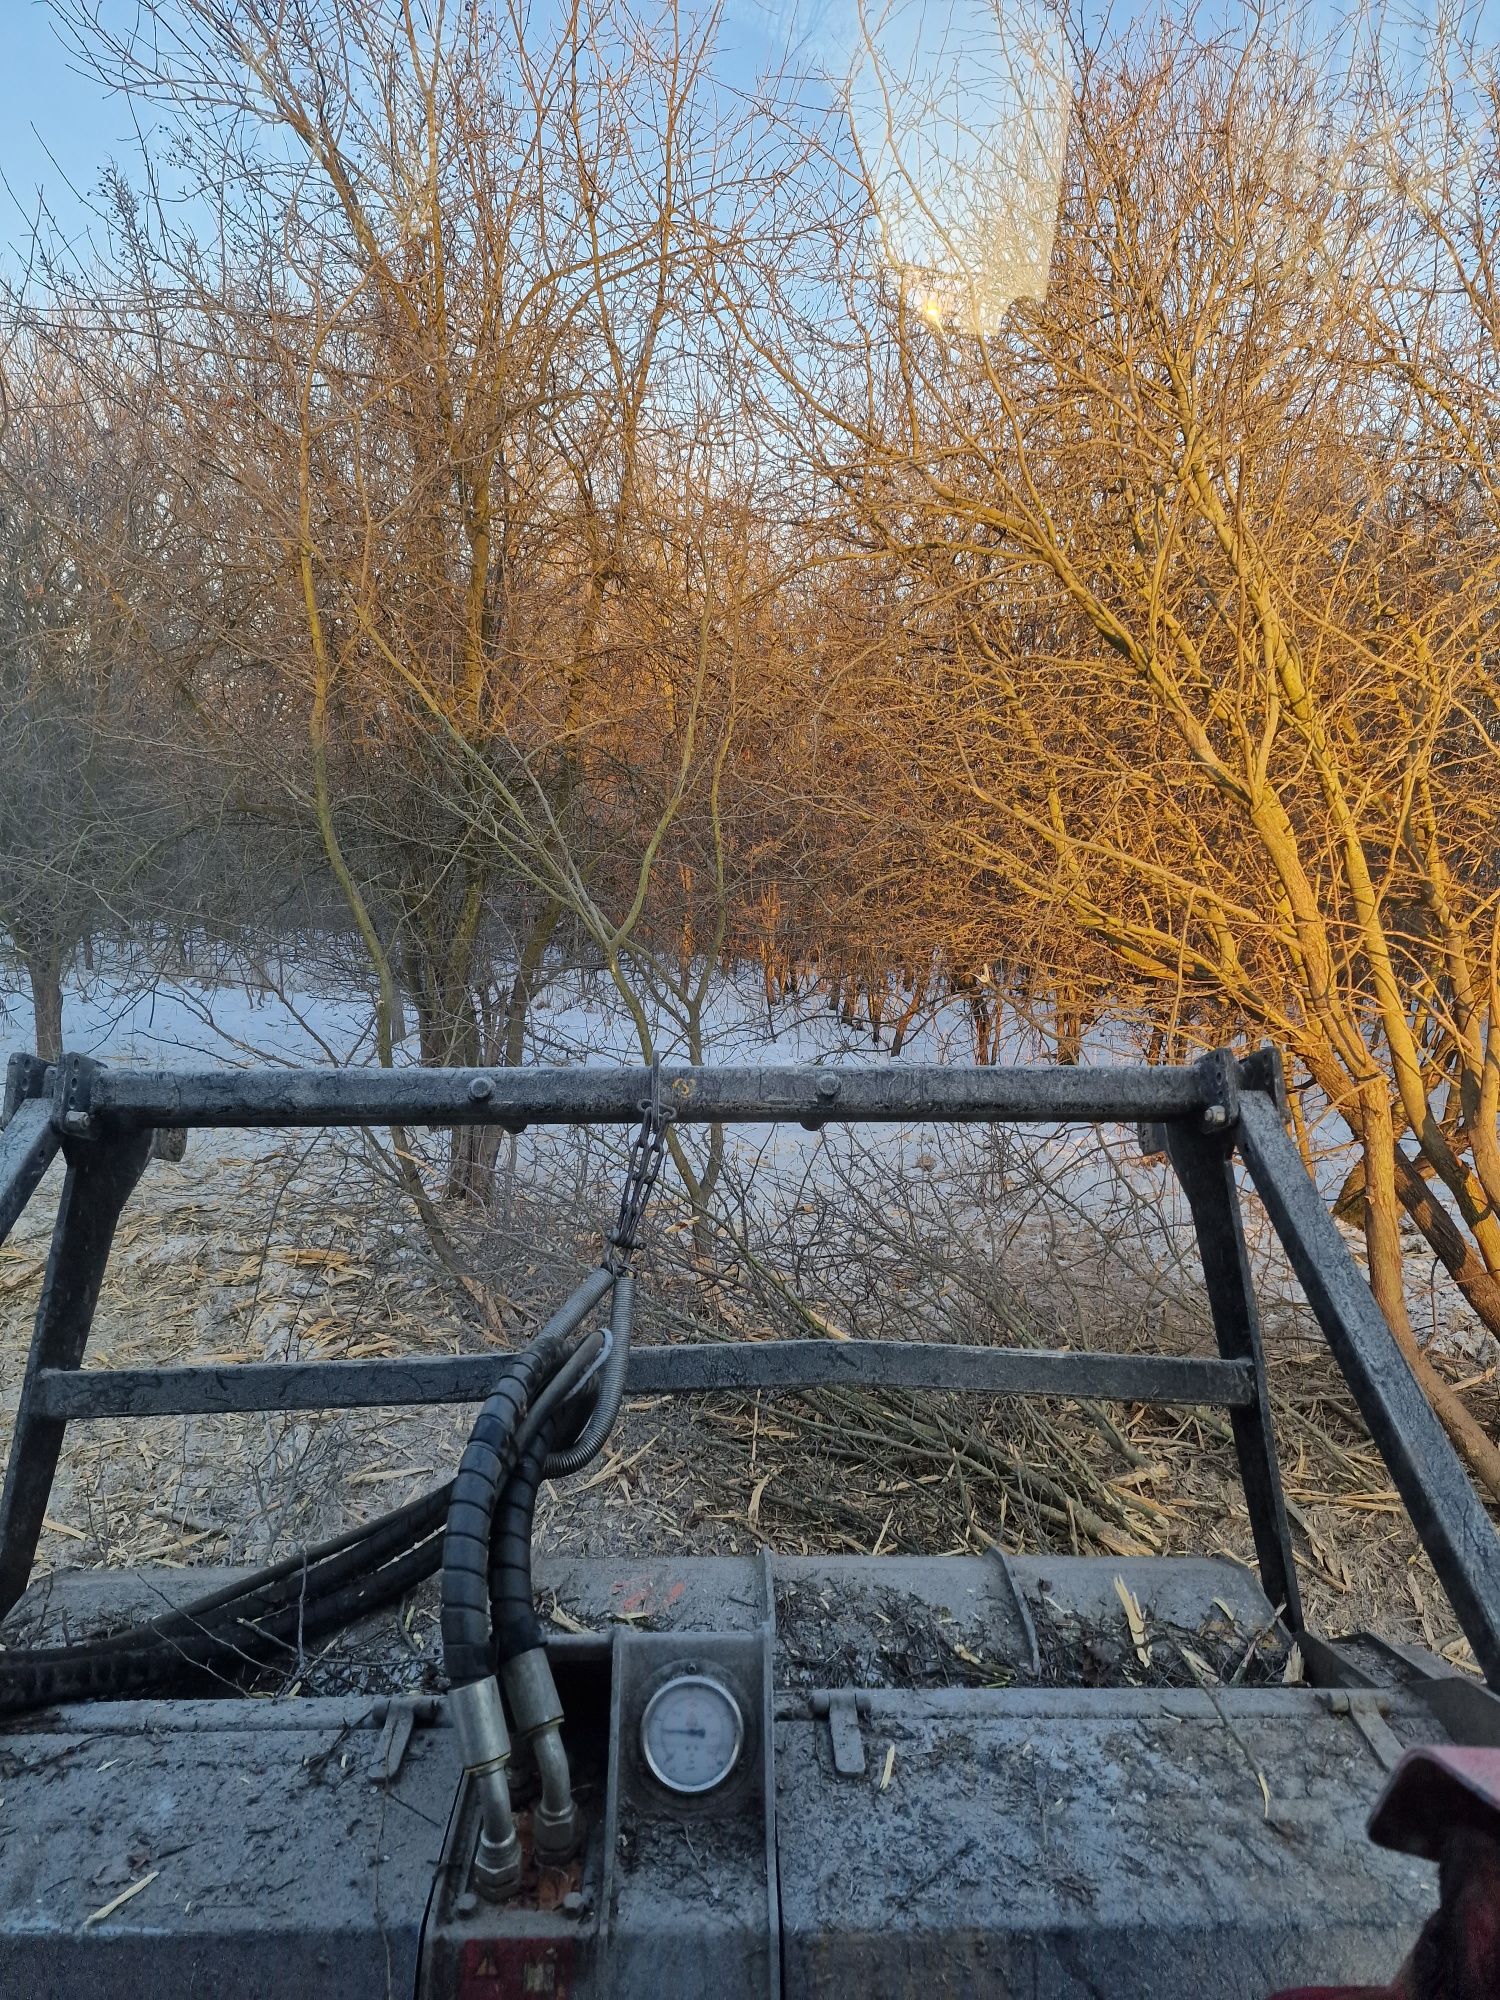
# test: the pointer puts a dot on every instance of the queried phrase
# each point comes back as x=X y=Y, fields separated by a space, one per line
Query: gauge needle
x=682 y=1730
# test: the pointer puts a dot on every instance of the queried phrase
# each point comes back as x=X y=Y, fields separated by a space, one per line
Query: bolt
x=828 y=1086
x=480 y=1088
x=1215 y=1118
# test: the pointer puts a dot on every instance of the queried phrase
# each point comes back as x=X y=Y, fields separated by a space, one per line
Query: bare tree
x=86 y=802
x=1195 y=572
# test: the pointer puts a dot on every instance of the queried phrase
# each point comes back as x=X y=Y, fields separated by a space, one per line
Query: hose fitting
x=556 y=1825
x=484 y=1745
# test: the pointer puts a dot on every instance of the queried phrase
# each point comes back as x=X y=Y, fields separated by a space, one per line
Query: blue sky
x=59 y=129
x=46 y=108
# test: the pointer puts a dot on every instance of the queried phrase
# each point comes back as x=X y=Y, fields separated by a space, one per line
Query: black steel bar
x=1205 y=1167
x=1446 y=1511
x=101 y=1174
x=26 y=1148
x=895 y=1092
x=69 y=1393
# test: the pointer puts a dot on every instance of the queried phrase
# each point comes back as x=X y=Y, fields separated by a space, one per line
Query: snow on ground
x=1089 y=1183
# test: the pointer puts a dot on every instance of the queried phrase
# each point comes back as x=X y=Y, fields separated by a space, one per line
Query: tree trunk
x=472 y=1149
x=1382 y=1217
x=1068 y=1028
x=1458 y=1256
x=44 y=973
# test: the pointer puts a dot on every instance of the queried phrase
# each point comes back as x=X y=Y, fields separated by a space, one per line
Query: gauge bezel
x=670 y=1686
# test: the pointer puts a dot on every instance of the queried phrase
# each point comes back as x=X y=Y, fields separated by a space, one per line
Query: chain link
x=646 y=1153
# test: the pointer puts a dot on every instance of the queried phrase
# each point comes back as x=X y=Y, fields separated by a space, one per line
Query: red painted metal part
x=1431 y=1793
x=515 y=1969
x=1342 y=1993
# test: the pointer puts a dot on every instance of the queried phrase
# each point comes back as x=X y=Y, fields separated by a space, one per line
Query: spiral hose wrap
x=517 y=1627
x=489 y=1456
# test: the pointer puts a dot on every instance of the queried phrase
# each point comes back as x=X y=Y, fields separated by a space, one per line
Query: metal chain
x=646 y=1153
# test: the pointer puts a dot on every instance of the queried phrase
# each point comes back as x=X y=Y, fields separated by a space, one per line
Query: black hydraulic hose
x=563 y=1464
x=39 y=1678
x=517 y=1627
x=261 y=1617
x=482 y=1473
x=574 y=1386
x=304 y=1578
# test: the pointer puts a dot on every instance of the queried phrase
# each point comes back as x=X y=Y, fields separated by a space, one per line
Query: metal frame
x=106 y=1123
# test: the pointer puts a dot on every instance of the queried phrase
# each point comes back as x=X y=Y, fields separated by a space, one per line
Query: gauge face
x=692 y=1733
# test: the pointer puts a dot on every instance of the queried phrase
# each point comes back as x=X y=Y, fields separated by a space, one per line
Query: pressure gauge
x=692 y=1734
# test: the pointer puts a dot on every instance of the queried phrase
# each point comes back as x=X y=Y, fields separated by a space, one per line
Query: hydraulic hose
x=254 y=1622
x=570 y=1392
x=474 y=1701
x=485 y=1466
x=147 y=1660
x=247 y=1623
x=525 y=1670
x=298 y=1578
x=517 y=1627
x=563 y=1464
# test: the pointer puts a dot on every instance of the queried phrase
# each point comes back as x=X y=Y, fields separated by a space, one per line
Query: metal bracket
x=25 y=1078
x=1220 y=1071
x=73 y=1096
x=1365 y=1713
x=1224 y=1076
x=1021 y=1609
x=843 y=1708
x=402 y=1713
x=1264 y=1069
x=1152 y=1140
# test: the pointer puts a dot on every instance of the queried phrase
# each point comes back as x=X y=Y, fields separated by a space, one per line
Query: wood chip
x=115 y=1902
x=752 y=1512
x=1134 y=1620
x=890 y=1765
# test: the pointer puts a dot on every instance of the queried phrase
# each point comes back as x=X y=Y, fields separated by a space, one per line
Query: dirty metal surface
x=205 y=1848
x=962 y=1780
x=1078 y=1845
